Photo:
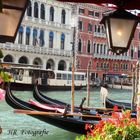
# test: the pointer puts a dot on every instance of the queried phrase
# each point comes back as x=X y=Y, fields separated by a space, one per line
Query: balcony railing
x=35 y=49
x=46 y=22
x=113 y=57
x=97 y=34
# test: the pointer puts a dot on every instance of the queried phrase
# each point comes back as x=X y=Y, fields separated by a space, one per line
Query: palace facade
x=92 y=47
x=43 y=38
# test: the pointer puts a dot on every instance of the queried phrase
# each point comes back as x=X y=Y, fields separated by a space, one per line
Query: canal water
x=23 y=127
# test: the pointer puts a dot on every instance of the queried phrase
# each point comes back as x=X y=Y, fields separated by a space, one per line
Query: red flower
x=115 y=108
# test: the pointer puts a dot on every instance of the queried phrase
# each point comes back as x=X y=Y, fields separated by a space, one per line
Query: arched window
x=88 y=47
x=51 y=14
x=98 y=29
x=94 y=48
x=97 y=48
x=29 y=9
x=20 y=34
x=132 y=52
x=27 y=35
x=51 y=40
x=36 y=10
x=79 y=46
x=41 y=38
x=101 y=49
x=63 y=17
x=104 y=49
x=62 y=41
x=8 y=58
x=95 y=28
x=35 y=41
x=42 y=12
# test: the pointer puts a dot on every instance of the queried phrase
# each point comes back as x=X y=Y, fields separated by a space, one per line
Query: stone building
x=43 y=38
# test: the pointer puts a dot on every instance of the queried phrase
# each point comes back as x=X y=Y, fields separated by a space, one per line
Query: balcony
x=35 y=49
x=112 y=57
x=46 y=22
x=98 y=34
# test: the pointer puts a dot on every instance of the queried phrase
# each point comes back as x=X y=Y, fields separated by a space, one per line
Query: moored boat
x=24 y=78
x=71 y=123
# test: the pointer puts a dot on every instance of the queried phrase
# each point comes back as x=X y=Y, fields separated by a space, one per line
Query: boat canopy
x=110 y=75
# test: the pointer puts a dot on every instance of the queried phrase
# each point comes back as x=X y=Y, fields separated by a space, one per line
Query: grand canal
x=24 y=127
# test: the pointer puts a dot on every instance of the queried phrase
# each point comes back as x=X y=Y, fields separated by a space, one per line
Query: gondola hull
x=29 y=87
x=121 y=105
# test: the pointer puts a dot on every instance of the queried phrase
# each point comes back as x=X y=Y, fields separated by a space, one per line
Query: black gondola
x=121 y=105
x=73 y=124
x=47 y=100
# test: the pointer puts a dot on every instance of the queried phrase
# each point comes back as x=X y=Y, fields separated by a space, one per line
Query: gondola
x=109 y=104
x=47 y=100
x=70 y=123
x=121 y=105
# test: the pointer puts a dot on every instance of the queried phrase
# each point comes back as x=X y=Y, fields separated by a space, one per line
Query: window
x=97 y=14
x=94 y=48
x=29 y=9
x=20 y=35
x=97 y=48
x=90 y=27
x=51 y=14
x=58 y=76
x=51 y=40
x=97 y=65
x=95 y=28
x=98 y=30
x=63 y=16
x=62 y=41
x=139 y=52
x=91 y=13
x=64 y=76
x=41 y=38
x=101 y=47
x=88 y=47
x=79 y=45
x=27 y=36
x=132 y=52
x=104 y=49
x=42 y=12
x=80 y=25
x=36 y=10
x=35 y=41
x=81 y=11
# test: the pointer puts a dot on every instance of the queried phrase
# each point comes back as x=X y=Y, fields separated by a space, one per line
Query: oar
x=32 y=112
x=53 y=113
x=101 y=108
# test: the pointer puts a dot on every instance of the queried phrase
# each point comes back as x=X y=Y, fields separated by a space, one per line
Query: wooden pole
x=73 y=69
x=138 y=110
x=138 y=95
x=133 y=87
x=88 y=83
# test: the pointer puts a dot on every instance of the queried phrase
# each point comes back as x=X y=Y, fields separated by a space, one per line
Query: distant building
x=92 y=45
x=43 y=38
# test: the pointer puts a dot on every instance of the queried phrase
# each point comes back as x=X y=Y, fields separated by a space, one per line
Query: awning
x=110 y=75
x=128 y=4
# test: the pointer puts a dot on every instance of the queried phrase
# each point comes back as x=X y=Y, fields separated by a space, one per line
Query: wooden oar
x=100 y=108
x=53 y=113
x=32 y=112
